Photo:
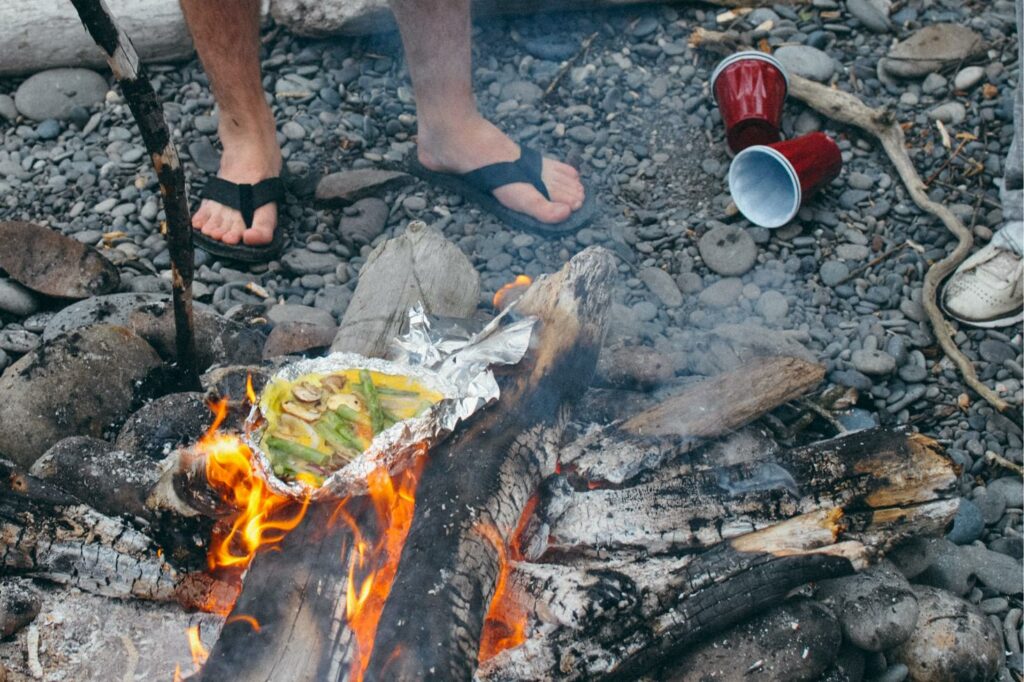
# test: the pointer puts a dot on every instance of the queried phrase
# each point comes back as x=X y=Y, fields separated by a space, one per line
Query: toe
x=233 y=229
x=262 y=230
x=201 y=216
x=212 y=226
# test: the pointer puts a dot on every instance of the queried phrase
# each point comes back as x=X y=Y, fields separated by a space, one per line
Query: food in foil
x=319 y=422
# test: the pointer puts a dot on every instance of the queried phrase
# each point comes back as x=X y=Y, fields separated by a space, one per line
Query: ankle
x=459 y=143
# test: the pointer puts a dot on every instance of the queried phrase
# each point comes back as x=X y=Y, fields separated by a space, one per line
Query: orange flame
x=520 y=282
x=505 y=623
x=244 y=618
x=373 y=563
x=196 y=648
x=230 y=470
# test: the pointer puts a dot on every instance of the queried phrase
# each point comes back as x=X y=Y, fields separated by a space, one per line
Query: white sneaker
x=987 y=289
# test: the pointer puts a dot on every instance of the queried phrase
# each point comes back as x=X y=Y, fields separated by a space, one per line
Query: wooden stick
x=146 y=108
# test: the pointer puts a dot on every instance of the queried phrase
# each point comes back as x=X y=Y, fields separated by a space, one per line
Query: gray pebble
x=833 y=272
x=722 y=293
x=727 y=250
x=968 y=524
x=953 y=113
x=772 y=306
x=806 y=61
x=16 y=299
x=873 y=362
x=661 y=285
x=968 y=77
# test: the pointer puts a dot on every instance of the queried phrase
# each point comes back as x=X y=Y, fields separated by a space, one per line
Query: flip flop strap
x=527 y=168
x=244 y=198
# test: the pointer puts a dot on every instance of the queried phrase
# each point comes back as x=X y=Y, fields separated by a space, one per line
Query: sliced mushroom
x=334 y=382
x=307 y=392
x=290 y=427
x=303 y=412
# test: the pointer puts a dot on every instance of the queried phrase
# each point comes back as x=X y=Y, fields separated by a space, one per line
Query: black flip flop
x=244 y=199
x=478 y=184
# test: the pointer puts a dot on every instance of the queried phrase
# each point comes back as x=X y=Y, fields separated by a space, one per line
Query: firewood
x=694 y=504
x=482 y=476
x=46 y=533
x=706 y=410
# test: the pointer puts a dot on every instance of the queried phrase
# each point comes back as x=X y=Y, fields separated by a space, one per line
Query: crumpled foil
x=445 y=357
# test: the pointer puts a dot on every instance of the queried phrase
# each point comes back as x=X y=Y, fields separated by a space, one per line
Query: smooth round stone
x=645 y=311
x=48 y=129
x=953 y=113
x=722 y=293
x=913 y=374
x=772 y=306
x=727 y=250
x=16 y=299
x=833 y=272
x=806 y=61
x=954 y=641
x=968 y=77
x=996 y=352
x=54 y=93
x=293 y=131
x=873 y=362
x=968 y=524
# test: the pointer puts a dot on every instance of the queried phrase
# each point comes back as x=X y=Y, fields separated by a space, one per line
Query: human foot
x=247 y=159
x=478 y=143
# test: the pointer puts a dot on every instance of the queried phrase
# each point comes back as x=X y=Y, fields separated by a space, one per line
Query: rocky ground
x=635 y=113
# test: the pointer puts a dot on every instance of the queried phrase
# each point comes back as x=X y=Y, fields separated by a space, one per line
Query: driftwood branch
x=882 y=124
x=146 y=108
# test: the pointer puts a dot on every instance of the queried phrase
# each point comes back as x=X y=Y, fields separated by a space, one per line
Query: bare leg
x=226 y=35
x=453 y=136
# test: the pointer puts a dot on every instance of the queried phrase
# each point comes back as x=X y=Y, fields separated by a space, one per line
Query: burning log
x=468 y=504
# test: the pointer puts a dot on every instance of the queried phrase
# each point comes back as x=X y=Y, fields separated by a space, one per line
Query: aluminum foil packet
x=447 y=358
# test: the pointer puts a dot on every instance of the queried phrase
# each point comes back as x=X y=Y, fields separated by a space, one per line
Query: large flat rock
x=46 y=261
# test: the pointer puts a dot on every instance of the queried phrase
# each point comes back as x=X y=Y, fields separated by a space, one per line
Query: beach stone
x=833 y=272
x=364 y=220
x=204 y=154
x=18 y=341
x=110 y=480
x=661 y=285
x=996 y=352
x=285 y=313
x=151 y=316
x=523 y=91
x=162 y=425
x=870 y=14
x=913 y=556
x=806 y=61
x=873 y=362
x=852 y=251
x=876 y=608
x=298 y=337
x=953 y=641
x=931 y=48
x=967 y=77
x=933 y=84
x=50 y=263
x=54 y=93
x=793 y=642
x=772 y=306
x=953 y=113
x=949 y=569
x=348 y=187
x=998 y=571
x=722 y=293
x=306 y=262
x=727 y=250
x=16 y=299
x=76 y=384
x=48 y=129
x=968 y=524
x=1010 y=489
x=8 y=110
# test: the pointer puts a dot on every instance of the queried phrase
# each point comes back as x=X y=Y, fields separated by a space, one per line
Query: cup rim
x=781 y=158
x=748 y=54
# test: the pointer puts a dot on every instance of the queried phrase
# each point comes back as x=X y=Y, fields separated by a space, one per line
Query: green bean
x=372 y=401
x=340 y=438
x=295 y=450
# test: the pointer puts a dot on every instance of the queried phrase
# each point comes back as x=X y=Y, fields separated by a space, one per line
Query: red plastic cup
x=750 y=88
x=769 y=183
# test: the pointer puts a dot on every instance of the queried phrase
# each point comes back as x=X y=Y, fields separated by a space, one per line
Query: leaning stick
x=142 y=100
x=881 y=123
